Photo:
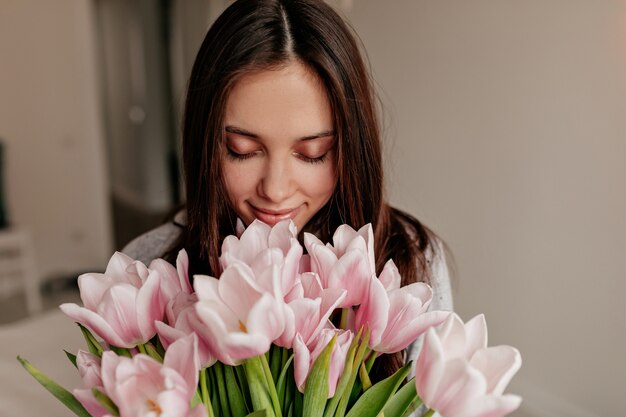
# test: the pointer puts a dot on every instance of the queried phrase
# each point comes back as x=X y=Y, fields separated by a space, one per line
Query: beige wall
x=506 y=125
x=51 y=122
x=507 y=131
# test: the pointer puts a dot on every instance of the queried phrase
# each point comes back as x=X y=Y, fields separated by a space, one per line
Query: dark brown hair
x=257 y=35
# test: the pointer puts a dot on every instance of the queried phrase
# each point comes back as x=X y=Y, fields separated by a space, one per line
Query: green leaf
x=71 y=357
x=281 y=385
x=316 y=389
x=235 y=397
x=369 y=363
x=105 y=401
x=92 y=344
x=258 y=413
x=374 y=399
x=257 y=382
x=297 y=401
x=55 y=389
x=214 y=395
x=291 y=390
x=364 y=377
x=275 y=361
x=402 y=400
x=353 y=385
x=243 y=383
x=121 y=351
x=153 y=352
x=271 y=386
x=345 y=378
x=221 y=389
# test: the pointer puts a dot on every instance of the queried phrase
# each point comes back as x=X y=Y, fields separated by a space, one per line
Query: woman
x=280 y=122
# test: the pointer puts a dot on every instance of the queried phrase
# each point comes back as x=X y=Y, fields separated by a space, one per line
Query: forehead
x=290 y=99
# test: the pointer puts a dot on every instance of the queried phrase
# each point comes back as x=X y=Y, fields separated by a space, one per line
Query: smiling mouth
x=272 y=217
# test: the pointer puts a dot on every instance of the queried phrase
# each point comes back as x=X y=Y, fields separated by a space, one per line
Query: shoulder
x=154 y=243
x=440 y=276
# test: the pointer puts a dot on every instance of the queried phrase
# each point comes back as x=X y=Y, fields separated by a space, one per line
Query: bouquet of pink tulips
x=279 y=334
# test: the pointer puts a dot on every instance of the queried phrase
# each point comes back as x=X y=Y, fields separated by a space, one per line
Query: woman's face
x=279 y=158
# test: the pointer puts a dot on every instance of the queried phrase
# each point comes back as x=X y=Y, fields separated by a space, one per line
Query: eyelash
x=317 y=160
x=238 y=156
x=243 y=156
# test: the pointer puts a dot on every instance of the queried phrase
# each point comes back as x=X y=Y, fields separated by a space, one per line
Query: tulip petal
x=238 y=290
x=118 y=264
x=87 y=399
x=429 y=367
x=92 y=288
x=95 y=323
x=301 y=362
x=454 y=337
x=169 y=283
x=374 y=312
x=476 y=334
x=118 y=309
x=182 y=268
x=266 y=317
x=182 y=356
x=149 y=306
x=390 y=276
x=488 y=406
x=311 y=285
x=88 y=366
x=321 y=258
x=206 y=287
x=343 y=236
x=498 y=364
x=403 y=333
x=281 y=235
x=351 y=272
x=460 y=385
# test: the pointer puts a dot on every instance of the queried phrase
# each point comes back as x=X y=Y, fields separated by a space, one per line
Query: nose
x=276 y=183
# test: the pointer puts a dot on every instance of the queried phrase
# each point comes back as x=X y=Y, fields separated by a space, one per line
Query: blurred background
x=505 y=132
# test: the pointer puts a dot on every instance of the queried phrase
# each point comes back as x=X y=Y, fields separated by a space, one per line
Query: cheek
x=236 y=181
x=320 y=182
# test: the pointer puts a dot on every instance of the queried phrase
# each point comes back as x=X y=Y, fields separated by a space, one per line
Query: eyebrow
x=239 y=131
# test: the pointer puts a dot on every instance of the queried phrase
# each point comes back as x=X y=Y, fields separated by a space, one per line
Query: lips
x=272 y=217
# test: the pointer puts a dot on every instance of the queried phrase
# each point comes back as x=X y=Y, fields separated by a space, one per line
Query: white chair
x=18 y=269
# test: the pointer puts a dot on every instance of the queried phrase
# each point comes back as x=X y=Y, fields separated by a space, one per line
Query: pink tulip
x=141 y=386
x=398 y=316
x=240 y=318
x=175 y=280
x=122 y=304
x=262 y=247
x=305 y=356
x=349 y=264
x=184 y=323
x=307 y=317
x=90 y=372
x=459 y=376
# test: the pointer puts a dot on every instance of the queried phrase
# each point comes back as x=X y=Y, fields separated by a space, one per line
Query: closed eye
x=235 y=156
x=313 y=160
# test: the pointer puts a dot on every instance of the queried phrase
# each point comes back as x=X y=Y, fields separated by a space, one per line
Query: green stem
x=429 y=413
x=142 y=348
x=369 y=363
x=344 y=318
x=204 y=392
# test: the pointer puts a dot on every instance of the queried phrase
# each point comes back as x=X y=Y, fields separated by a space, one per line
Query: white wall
x=508 y=137
x=51 y=122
